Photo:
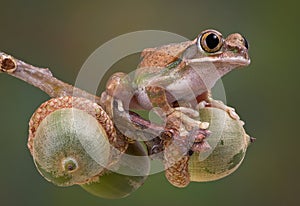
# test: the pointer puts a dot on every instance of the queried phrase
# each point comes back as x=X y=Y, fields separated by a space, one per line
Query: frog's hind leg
x=176 y=155
x=176 y=149
x=178 y=174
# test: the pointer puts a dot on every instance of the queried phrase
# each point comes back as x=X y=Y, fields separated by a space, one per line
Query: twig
x=41 y=78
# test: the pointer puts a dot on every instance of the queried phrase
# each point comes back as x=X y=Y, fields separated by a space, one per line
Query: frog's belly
x=189 y=87
x=186 y=95
x=184 y=90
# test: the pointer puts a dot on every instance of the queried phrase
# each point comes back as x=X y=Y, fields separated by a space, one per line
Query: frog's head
x=210 y=48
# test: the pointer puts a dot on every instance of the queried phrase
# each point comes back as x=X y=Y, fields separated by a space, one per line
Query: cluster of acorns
x=74 y=142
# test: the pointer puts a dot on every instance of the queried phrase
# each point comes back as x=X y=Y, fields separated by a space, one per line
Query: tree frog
x=176 y=80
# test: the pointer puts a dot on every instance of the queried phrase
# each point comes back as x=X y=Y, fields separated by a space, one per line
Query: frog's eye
x=210 y=41
x=246 y=43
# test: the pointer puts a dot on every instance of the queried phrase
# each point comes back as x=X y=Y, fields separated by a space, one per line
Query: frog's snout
x=237 y=42
x=238 y=45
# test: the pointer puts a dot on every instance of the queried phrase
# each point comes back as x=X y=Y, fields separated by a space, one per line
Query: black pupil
x=212 y=41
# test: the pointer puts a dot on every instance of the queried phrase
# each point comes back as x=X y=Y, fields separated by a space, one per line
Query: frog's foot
x=186 y=120
x=196 y=140
x=199 y=140
x=192 y=113
x=220 y=105
x=180 y=127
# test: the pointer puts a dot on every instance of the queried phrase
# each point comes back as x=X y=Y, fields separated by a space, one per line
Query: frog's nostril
x=246 y=43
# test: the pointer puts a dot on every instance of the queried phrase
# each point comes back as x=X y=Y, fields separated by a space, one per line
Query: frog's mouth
x=235 y=60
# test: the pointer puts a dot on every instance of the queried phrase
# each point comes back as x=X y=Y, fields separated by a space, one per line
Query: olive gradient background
x=266 y=94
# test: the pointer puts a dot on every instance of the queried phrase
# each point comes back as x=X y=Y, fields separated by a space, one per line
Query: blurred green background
x=62 y=35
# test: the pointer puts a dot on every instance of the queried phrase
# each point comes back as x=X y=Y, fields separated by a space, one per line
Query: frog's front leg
x=187 y=136
x=206 y=100
x=158 y=98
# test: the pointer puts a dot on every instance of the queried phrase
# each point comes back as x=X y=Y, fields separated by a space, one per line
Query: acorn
x=115 y=184
x=74 y=142
x=228 y=142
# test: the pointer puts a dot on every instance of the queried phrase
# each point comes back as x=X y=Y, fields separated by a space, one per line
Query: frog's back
x=159 y=57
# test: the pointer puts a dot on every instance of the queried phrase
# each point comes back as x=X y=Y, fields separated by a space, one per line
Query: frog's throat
x=231 y=60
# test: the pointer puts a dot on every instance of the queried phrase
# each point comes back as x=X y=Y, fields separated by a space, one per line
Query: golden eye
x=210 y=41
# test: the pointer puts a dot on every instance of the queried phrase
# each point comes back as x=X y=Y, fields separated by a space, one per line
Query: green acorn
x=74 y=142
x=228 y=142
x=114 y=185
